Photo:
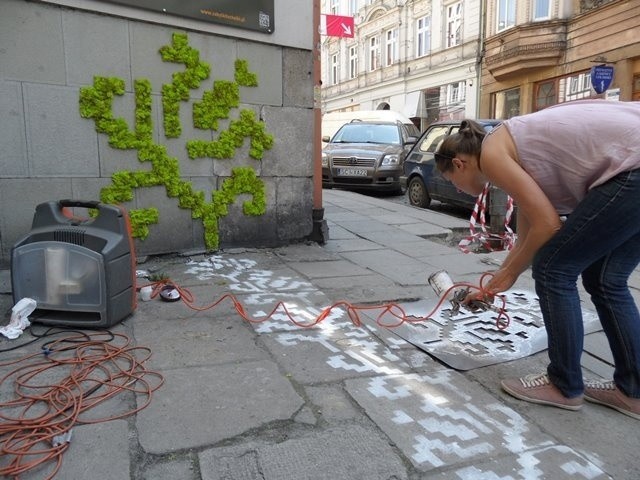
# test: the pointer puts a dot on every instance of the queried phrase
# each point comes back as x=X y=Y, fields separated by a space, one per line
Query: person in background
x=580 y=161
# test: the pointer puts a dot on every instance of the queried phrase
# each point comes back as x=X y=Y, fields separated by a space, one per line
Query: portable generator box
x=79 y=270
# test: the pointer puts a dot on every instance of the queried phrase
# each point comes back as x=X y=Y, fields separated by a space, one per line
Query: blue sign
x=601 y=77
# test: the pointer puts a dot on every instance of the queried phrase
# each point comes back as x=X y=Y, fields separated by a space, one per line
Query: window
x=423 y=43
x=359 y=132
x=353 y=62
x=506 y=104
x=374 y=53
x=454 y=24
x=334 y=69
x=506 y=14
x=353 y=7
x=576 y=86
x=432 y=140
x=541 y=9
x=545 y=95
x=391 y=56
x=455 y=93
x=334 y=7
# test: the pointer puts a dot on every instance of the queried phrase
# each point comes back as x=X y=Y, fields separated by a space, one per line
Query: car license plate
x=352 y=172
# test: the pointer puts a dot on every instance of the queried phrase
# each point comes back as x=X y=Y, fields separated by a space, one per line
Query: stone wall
x=48 y=53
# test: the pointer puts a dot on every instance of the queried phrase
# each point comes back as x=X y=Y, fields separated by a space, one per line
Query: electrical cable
x=90 y=368
x=36 y=425
x=392 y=309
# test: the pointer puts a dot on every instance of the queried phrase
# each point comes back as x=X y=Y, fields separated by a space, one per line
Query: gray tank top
x=572 y=147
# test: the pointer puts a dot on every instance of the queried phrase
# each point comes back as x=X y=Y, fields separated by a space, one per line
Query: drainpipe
x=320 y=231
x=480 y=56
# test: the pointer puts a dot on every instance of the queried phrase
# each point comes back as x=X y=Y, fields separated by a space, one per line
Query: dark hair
x=467 y=140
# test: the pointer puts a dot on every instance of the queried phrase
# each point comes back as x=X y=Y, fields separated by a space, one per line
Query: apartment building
x=450 y=59
x=418 y=57
x=541 y=52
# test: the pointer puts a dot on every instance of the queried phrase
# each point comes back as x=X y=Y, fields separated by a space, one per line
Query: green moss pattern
x=96 y=102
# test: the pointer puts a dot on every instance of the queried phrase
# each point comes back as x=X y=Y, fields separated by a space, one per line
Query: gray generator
x=80 y=271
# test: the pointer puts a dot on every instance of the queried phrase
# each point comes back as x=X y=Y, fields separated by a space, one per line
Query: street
x=435 y=206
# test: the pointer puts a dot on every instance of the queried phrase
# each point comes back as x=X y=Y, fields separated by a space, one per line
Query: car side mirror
x=326 y=139
x=411 y=140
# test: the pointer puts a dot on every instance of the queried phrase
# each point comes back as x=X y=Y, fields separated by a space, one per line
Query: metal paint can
x=441 y=282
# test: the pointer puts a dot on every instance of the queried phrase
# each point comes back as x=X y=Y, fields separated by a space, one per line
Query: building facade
x=541 y=52
x=418 y=57
x=449 y=59
x=201 y=130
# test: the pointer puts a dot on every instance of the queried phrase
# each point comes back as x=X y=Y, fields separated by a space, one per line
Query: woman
x=579 y=160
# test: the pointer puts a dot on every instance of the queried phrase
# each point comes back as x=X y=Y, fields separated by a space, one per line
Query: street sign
x=245 y=14
x=336 y=26
x=601 y=77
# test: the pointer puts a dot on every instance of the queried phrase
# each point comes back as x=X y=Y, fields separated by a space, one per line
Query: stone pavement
x=344 y=399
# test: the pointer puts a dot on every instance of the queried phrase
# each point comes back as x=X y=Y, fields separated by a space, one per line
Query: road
x=435 y=206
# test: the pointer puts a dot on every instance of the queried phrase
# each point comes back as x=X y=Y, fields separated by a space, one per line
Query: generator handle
x=78 y=203
x=56 y=212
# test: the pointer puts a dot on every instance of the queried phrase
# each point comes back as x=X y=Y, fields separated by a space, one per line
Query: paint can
x=440 y=282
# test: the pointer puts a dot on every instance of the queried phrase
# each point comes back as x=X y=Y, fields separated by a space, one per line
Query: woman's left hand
x=501 y=281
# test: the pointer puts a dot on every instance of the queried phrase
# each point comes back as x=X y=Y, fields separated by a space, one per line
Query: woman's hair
x=467 y=140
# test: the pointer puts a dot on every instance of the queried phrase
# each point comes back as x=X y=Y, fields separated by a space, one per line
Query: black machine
x=80 y=271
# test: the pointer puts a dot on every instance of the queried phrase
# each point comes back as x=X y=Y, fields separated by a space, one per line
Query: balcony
x=526 y=47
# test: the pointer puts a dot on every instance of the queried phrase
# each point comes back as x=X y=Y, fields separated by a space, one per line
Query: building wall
x=51 y=50
x=579 y=35
x=403 y=86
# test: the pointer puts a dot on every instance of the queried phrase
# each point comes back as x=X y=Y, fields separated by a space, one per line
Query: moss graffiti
x=96 y=102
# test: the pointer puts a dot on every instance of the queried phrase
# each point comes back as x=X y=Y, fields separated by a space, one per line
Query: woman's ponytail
x=467 y=140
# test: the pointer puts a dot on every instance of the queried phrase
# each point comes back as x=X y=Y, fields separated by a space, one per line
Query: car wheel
x=417 y=192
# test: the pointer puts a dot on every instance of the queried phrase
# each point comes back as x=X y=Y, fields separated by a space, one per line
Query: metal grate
x=353 y=162
x=69 y=235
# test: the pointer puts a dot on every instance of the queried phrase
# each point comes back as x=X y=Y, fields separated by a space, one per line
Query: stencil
x=471 y=340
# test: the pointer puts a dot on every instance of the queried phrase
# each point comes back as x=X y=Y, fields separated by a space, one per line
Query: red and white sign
x=336 y=26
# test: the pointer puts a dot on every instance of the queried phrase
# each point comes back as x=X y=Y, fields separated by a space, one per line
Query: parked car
x=422 y=179
x=332 y=121
x=367 y=155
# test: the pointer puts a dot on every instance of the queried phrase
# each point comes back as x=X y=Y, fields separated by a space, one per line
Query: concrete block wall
x=49 y=152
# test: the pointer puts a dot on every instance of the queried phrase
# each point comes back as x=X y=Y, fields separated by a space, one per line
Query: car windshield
x=367 y=133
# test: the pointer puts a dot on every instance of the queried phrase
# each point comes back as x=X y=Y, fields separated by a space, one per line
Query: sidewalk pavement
x=347 y=398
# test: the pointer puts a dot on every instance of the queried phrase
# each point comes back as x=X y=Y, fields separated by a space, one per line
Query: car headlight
x=325 y=159
x=390 y=161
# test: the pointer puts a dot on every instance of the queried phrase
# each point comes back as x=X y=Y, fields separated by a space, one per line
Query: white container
x=145 y=293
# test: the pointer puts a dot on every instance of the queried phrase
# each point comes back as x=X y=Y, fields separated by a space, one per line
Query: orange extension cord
x=55 y=390
x=392 y=309
x=91 y=368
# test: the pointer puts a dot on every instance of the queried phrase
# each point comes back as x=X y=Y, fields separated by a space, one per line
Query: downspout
x=480 y=56
x=320 y=231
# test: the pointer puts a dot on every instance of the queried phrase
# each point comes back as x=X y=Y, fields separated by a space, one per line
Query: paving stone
x=349 y=451
x=201 y=406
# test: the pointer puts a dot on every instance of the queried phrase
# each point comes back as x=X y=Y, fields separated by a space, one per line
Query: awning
x=413 y=104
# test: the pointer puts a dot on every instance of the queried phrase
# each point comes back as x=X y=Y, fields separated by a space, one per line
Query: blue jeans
x=600 y=240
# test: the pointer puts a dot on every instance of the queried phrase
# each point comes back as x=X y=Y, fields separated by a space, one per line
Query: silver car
x=367 y=155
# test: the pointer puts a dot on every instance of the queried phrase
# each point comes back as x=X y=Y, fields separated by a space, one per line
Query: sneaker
x=609 y=395
x=537 y=388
